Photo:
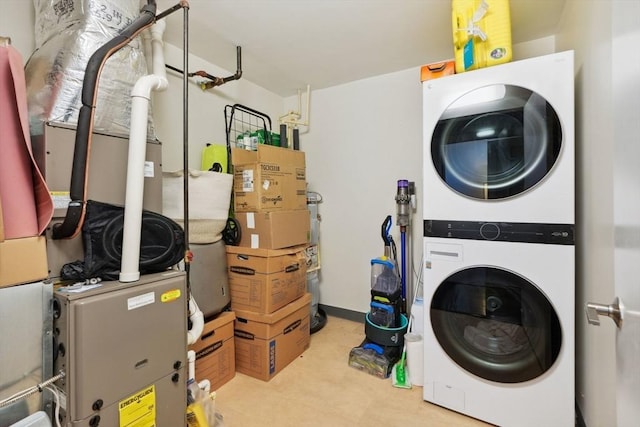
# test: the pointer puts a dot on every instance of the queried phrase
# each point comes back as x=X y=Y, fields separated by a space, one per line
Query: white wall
x=363 y=137
x=17 y=22
x=586 y=28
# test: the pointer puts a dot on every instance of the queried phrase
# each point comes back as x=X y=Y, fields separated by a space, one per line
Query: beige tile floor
x=320 y=389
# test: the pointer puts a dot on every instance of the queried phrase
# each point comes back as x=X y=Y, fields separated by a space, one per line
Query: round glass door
x=496 y=142
x=495 y=324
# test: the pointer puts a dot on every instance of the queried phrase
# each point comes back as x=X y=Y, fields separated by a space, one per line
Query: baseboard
x=343 y=313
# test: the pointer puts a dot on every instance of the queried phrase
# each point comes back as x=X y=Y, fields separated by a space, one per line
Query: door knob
x=614 y=311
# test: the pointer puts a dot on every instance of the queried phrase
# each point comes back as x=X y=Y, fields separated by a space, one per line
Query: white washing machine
x=499 y=328
x=499 y=143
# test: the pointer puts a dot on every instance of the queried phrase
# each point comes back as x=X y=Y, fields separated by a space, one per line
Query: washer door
x=496 y=142
x=495 y=324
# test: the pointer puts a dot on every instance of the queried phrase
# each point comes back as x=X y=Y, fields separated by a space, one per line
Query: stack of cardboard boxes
x=267 y=270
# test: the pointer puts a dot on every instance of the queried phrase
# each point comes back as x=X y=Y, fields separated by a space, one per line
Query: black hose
x=74 y=218
x=112 y=246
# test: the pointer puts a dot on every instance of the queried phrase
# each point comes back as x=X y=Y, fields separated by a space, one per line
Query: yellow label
x=170 y=295
x=139 y=410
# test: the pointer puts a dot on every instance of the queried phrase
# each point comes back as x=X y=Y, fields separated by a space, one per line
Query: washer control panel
x=524 y=232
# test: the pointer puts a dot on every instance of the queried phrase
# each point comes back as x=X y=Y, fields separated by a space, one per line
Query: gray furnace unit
x=123 y=349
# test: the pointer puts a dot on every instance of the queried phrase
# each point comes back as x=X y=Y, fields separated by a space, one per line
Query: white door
x=626 y=140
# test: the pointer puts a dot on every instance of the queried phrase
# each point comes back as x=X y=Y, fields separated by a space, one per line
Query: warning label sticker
x=139 y=410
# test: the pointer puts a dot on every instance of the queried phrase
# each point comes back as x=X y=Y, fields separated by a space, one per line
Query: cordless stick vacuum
x=403 y=201
x=404 y=193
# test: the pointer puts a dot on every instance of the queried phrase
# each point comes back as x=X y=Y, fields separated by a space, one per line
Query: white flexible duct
x=197 y=321
x=140 y=97
x=191 y=359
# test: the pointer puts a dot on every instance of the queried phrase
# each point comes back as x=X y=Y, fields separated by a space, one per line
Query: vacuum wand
x=403 y=219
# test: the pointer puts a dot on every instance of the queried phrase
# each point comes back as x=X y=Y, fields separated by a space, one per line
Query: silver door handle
x=614 y=311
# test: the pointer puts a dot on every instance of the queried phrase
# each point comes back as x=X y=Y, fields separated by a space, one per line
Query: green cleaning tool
x=400 y=374
x=399 y=377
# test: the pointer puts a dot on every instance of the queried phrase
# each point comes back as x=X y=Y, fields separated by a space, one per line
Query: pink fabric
x=27 y=207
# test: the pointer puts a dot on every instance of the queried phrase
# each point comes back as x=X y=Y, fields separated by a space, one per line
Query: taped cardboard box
x=274 y=230
x=269 y=179
x=215 y=351
x=265 y=280
x=267 y=343
x=23 y=261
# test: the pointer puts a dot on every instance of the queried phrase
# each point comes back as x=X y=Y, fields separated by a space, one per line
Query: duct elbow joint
x=157 y=30
x=145 y=84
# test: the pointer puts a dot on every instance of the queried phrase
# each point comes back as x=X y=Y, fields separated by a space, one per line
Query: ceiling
x=287 y=44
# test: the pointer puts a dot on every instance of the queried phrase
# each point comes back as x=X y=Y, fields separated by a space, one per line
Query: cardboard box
x=269 y=179
x=23 y=261
x=215 y=351
x=265 y=280
x=274 y=230
x=266 y=343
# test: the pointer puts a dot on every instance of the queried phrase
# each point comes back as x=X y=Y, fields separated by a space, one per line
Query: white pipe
x=197 y=321
x=146 y=46
x=191 y=359
x=140 y=97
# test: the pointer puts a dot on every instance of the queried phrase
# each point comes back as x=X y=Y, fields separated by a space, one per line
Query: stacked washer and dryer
x=499 y=249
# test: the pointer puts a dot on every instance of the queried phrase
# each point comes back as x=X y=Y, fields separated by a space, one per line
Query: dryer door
x=496 y=142
x=495 y=324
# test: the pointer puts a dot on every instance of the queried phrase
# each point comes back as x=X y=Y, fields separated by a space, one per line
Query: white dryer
x=499 y=143
x=499 y=329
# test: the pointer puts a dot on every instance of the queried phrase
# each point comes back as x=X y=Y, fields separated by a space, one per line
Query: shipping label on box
x=267 y=343
x=274 y=230
x=265 y=280
x=215 y=351
x=269 y=179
